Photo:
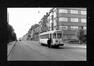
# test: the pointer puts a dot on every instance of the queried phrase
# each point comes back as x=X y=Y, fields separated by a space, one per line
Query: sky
x=23 y=18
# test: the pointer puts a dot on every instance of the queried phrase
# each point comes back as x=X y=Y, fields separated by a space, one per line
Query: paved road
x=33 y=51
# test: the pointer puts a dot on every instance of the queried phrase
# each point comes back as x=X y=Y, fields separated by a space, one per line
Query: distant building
x=34 y=32
x=25 y=37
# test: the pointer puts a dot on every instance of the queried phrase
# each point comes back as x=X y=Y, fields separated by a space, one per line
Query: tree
x=32 y=28
x=14 y=36
x=11 y=34
x=44 y=23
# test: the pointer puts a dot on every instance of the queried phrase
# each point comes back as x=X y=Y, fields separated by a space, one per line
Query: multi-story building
x=69 y=20
x=25 y=36
x=34 y=33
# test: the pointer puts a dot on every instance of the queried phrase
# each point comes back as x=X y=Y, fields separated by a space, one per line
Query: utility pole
x=52 y=19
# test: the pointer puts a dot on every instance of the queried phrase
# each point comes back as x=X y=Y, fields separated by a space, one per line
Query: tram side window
x=44 y=36
x=54 y=35
x=41 y=36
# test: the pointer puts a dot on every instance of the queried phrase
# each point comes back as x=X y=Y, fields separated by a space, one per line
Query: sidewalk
x=76 y=45
x=9 y=47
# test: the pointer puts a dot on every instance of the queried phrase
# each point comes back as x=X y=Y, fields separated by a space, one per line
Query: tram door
x=51 y=36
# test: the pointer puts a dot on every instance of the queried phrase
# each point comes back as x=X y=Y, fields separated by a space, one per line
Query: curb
x=79 y=47
x=13 y=45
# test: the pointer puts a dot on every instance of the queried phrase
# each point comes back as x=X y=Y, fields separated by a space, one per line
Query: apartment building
x=69 y=20
x=35 y=33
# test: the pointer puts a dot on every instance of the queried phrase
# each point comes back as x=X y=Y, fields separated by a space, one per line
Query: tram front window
x=59 y=35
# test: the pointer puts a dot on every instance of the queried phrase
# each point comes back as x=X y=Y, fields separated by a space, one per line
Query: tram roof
x=49 y=32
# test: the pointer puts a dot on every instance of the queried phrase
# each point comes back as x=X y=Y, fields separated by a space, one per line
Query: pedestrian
x=49 y=42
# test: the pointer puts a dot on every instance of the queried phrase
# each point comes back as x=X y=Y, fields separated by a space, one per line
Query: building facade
x=69 y=20
x=35 y=33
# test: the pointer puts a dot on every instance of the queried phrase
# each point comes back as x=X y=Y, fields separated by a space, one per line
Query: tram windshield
x=59 y=35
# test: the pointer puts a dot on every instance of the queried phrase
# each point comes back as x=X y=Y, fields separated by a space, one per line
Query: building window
x=63 y=11
x=83 y=20
x=74 y=27
x=74 y=19
x=63 y=27
x=84 y=28
x=83 y=12
x=74 y=11
x=63 y=19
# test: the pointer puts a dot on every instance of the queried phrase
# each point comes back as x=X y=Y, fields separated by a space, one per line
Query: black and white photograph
x=47 y=34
